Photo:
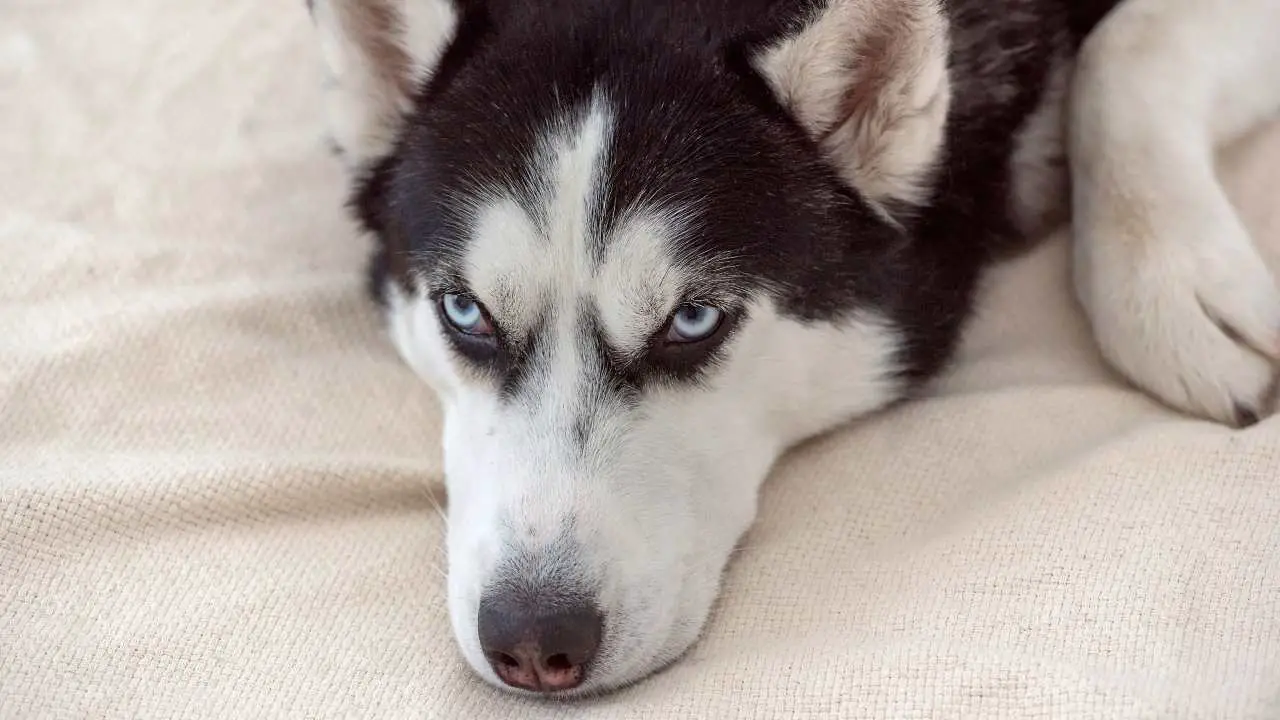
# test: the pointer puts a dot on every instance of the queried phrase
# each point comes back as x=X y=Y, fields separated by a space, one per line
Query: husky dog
x=641 y=247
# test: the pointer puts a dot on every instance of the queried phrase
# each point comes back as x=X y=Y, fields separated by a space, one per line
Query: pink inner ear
x=868 y=80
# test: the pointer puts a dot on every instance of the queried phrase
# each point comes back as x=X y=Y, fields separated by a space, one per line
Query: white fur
x=1179 y=298
x=1039 y=166
x=887 y=142
x=637 y=280
x=656 y=499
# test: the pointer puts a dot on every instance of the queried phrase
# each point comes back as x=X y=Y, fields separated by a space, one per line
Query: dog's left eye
x=692 y=322
x=466 y=314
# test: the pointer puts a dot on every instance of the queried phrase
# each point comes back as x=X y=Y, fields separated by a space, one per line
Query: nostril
x=559 y=662
x=505 y=660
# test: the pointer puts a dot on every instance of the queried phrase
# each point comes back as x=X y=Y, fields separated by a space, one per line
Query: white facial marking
x=638 y=282
x=574 y=197
x=546 y=257
x=506 y=263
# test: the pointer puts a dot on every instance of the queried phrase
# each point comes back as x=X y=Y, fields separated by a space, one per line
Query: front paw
x=1184 y=306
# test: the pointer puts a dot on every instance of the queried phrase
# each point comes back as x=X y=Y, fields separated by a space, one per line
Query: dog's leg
x=1179 y=297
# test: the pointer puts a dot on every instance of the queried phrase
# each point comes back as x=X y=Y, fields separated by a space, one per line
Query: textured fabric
x=219 y=487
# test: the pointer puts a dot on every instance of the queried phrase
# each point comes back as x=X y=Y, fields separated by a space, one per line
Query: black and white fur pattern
x=834 y=176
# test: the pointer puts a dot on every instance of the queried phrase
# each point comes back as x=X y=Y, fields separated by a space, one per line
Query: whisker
x=435 y=503
x=439 y=570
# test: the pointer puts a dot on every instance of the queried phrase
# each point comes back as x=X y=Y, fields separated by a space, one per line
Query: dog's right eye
x=466 y=314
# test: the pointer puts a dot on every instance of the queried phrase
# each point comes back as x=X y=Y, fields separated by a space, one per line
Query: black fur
x=695 y=125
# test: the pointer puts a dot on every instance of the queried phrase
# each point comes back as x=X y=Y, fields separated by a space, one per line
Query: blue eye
x=465 y=314
x=692 y=323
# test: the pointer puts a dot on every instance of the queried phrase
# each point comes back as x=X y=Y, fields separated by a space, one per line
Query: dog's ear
x=868 y=80
x=377 y=53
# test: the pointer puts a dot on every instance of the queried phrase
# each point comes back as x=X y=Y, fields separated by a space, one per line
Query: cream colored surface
x=218 y=483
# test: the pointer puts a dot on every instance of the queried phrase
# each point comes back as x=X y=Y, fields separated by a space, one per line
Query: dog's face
x=633 y=279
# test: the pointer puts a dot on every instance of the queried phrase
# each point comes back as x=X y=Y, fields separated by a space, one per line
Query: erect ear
x=378 y=52
x=868 y=80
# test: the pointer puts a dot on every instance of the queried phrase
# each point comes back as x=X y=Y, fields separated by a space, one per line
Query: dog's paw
x=1182 y=303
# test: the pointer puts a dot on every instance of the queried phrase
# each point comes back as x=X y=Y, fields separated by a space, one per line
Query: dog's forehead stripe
x=545 y=253
x=573 y=204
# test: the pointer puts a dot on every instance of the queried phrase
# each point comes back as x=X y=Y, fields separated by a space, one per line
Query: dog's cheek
x=673 y=535
x=415 y=331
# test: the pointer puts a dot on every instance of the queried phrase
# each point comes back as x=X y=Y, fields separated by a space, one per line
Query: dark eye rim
x=688 y=361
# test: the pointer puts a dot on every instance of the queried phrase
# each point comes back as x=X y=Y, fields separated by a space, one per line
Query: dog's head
x=638 y=249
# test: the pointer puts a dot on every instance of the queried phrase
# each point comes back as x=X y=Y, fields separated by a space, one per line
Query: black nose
x=536 y=643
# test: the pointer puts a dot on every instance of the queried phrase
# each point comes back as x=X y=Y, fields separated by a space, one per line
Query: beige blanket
x=219 y=486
